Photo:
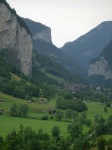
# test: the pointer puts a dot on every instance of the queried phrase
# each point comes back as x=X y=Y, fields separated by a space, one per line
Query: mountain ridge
x=89 y=45
x=38 y=30
x=48 y=49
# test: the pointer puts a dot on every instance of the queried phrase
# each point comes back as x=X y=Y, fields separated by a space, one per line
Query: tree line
x=27 y=87
x=67 y=102
x=28 y=139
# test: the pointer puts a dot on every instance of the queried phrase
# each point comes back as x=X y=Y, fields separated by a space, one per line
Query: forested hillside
x=57 y=71
x=46 y=76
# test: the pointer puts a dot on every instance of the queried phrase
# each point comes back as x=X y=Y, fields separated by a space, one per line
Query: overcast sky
x=68 y=19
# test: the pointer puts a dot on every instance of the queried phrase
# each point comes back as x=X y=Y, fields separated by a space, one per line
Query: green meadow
x=37 y=110
x=95 y=108
x=7 y=123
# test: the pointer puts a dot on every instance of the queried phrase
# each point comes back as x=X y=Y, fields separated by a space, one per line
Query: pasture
x=8 y=123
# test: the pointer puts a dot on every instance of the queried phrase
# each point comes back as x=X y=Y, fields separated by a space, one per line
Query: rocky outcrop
x=16 y=38
x=39 y=31
x=100 y=67
x=43 y=35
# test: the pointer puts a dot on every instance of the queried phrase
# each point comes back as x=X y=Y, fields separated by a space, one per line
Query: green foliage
x=88 y=122
x=18 y=89
x=14 y=110
x=101 y=144
x=28 y=139
x=76 y=105
x=21 y=111
x=59 y=115
x=105 y=109
x=56 y=132
x=75 y=130
x=81 y=143
x=12 y=87
x=69 y=114
x=99 y=80
x=49 y=91
x=93 y=95
x=40 y=81
x=41 y=62
x=76 y=143
x=83 y=118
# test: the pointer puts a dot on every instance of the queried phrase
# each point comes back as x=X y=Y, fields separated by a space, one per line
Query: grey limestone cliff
x=39 y=31
x=100 y=67
x=15 y=38
x=43 y=35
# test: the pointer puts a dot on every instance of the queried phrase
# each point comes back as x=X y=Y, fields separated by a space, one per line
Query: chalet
x=43 y=101
x=29 y=101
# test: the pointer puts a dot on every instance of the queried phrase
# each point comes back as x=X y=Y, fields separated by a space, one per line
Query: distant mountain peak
x=90 y=45
x=38 y=30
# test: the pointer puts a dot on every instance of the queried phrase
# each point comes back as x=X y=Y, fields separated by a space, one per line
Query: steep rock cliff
x=39 y=31
x=103 y=64
x=44 y=35
x=16 y=38
x=100 y=67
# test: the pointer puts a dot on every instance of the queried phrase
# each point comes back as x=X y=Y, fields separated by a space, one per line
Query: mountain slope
x=47 y=78
x=89 y=45
x=51 y=69
x=101 y=67
x=43 y=44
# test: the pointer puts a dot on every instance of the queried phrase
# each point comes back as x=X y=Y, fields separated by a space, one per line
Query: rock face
x=39 y=31
x=44 y=35
x=15 y=37
x=100 y=67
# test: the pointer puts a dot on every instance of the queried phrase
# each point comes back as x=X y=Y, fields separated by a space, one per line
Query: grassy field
x=96 y=108
x=7 y=123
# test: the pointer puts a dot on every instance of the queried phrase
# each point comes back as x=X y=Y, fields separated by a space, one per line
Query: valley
x=37 y=110
x=54 y=98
